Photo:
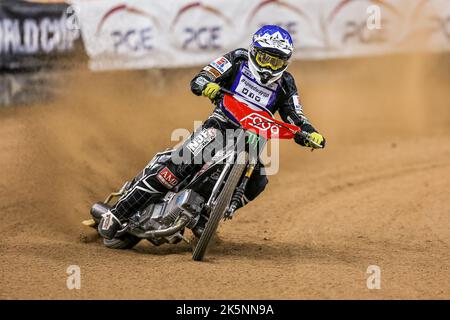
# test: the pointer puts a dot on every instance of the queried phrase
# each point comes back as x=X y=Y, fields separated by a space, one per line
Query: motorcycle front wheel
x=219 y=209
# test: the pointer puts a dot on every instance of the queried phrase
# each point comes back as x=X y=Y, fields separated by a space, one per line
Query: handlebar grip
x=305 y=135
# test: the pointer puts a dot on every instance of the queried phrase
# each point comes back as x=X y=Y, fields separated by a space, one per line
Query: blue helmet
x=270 y=53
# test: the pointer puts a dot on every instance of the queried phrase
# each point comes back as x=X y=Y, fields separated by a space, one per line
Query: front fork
x=256 y=144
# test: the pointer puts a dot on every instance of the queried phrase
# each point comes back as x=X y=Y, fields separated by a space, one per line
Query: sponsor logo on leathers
x=167 y=178
x=201 y=140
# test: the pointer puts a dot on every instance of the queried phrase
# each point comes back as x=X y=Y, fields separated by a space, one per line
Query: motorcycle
x=214 y=192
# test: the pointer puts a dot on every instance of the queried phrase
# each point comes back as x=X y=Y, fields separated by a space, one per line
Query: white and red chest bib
x=250 y=91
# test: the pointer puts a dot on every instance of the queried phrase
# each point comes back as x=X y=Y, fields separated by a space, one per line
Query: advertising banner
x=122 y=34
x=34 y=34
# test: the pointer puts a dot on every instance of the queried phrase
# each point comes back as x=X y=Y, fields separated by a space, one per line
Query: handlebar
x=231 y=93
x=303 y=134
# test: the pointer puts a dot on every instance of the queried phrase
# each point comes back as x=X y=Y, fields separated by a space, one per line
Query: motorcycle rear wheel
x=219 y=209
x=126 y=241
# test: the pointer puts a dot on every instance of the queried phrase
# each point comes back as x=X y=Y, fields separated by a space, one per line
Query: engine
x=164 y=214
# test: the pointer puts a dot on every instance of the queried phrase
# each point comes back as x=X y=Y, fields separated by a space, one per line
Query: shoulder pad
x=288 y=83
x=287 y=76
x=240 y=53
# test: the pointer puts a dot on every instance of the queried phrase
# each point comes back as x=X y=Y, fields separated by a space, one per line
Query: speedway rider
x=259 y=76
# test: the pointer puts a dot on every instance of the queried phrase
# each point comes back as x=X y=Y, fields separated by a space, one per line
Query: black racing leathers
x=155 y=180
x=287 y=102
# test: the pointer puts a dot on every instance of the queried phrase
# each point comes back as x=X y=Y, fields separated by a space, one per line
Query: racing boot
x=109 y=225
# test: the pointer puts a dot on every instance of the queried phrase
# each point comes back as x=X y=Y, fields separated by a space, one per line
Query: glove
x=317 y=138
x=211 y=90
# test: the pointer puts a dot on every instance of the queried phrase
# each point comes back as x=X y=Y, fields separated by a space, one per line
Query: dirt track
x=378 y=195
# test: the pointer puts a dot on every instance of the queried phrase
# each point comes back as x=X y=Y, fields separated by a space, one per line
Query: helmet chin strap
x=273 y=79
x=265 y=77
x=257 y=74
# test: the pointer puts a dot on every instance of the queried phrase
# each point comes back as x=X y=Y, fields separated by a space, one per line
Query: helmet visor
x=266 y=60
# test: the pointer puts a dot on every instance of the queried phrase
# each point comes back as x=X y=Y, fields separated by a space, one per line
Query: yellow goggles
x=266 y=60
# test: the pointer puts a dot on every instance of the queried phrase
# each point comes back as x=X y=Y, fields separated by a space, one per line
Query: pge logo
x=293 y=19
x=430 y=22
x=348 y=22
x=129 y=29
x=200 y=27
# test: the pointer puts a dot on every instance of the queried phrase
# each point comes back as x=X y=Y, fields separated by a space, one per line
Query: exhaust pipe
x=161 y=233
